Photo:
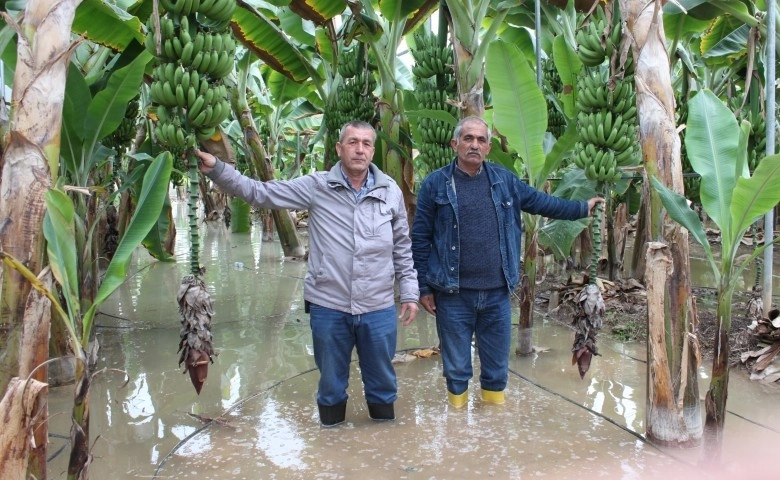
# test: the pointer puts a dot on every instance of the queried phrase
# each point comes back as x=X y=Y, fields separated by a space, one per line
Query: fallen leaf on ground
x=425 y=352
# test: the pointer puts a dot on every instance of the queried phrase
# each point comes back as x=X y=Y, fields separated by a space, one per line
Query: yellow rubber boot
x=458 y=401
x=490 y=396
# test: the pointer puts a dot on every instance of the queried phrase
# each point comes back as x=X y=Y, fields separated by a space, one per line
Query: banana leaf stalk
x=755 y=306
x=195 y=305
x=590 y=316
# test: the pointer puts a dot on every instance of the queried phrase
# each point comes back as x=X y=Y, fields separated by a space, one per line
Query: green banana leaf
x=108 y=107
x=733 y=200
x=108 y=24
x=519 y=108
x=60 y=232
x=568 y=65
x=266 y=40
x=81 y=134
x=399 y=9
x=296 y=27
x=283 y=90
x=559 y=235
x=755 y=196
x=158 y=236
x=678 y=209
x=726 y=40
x=711 y=142
x=150 y=202
x=522 y=38
x=318 y=11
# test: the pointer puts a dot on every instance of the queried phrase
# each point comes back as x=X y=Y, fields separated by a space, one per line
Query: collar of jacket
x=487 y=167
x=336 y=179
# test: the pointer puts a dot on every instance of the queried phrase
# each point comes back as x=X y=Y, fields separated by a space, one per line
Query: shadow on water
x=256 y=416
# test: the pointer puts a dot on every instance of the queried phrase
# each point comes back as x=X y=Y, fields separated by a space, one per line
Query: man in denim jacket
x=466 y=239
x=359 y=247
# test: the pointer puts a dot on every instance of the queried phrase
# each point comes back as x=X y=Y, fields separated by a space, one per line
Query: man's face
x=472 y=146
x=356 y=150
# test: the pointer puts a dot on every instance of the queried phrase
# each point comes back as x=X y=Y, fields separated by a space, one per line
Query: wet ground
x=256 y=416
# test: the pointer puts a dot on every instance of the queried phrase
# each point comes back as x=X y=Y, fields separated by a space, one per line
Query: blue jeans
x=486 y=315
x=335 y=334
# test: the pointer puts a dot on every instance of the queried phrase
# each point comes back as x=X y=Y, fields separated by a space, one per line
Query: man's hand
x=408 y=312
x=428 y=303
x=207 y=161
x=593 y=202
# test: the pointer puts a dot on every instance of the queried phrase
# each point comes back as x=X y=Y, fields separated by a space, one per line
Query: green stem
x=595 y=232
x=193 y=214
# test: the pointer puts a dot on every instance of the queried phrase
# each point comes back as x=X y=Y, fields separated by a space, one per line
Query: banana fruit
x=606 y=118
x=195 y=50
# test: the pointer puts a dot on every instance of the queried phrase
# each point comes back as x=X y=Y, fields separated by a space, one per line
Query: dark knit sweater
x=480 y=257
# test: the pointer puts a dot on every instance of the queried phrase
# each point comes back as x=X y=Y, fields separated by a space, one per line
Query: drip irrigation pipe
x=238 y=404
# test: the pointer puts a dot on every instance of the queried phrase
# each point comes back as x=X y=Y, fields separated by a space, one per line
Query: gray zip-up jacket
x=357 y=249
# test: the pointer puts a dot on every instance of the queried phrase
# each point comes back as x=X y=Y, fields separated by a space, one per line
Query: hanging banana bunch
x=553 y=88
x=606 y=120
x=607 y=123
x=434 y=80
x=354 y=97
x=120 y=138
x=195 y=50
x=596 y=40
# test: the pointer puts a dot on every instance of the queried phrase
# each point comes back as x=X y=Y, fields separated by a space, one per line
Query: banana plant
x=468 y=18
x=520 y=115
x=59 y=227
x=733 y=199
x=381 y=26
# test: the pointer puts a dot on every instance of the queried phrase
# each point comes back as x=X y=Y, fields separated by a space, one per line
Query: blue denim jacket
x=435 y=240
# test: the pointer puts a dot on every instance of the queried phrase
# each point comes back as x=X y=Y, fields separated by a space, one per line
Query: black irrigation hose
x=233 y=407
x=602 y=416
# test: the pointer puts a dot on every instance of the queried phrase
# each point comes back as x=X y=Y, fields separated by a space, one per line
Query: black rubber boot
x=379 y=411
x=332 y=415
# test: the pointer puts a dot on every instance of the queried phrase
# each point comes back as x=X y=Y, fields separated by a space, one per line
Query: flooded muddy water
x=256 y=415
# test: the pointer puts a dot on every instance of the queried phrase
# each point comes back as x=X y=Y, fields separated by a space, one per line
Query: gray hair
x=359 y=124
x=469 y=119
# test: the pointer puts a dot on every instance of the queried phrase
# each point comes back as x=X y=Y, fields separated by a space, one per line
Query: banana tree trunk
x=397 y=164
x=288 y=236
x=23 y=401
x=78 y=464
x=676 y=320
x=715 y=400
x=30 y=158
x=526 y=292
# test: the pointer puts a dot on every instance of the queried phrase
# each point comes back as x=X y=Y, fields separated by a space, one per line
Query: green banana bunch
x=552 y=86
x=125 y=132
x=430 y=59
x=606 y=122
x=349 y=63
x=354 y=100
x=597 y=40
x=196 y=52
x=435 y=89
x=592 y=92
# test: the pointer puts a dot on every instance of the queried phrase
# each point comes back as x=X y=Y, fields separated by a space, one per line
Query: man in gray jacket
x=359 y=246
